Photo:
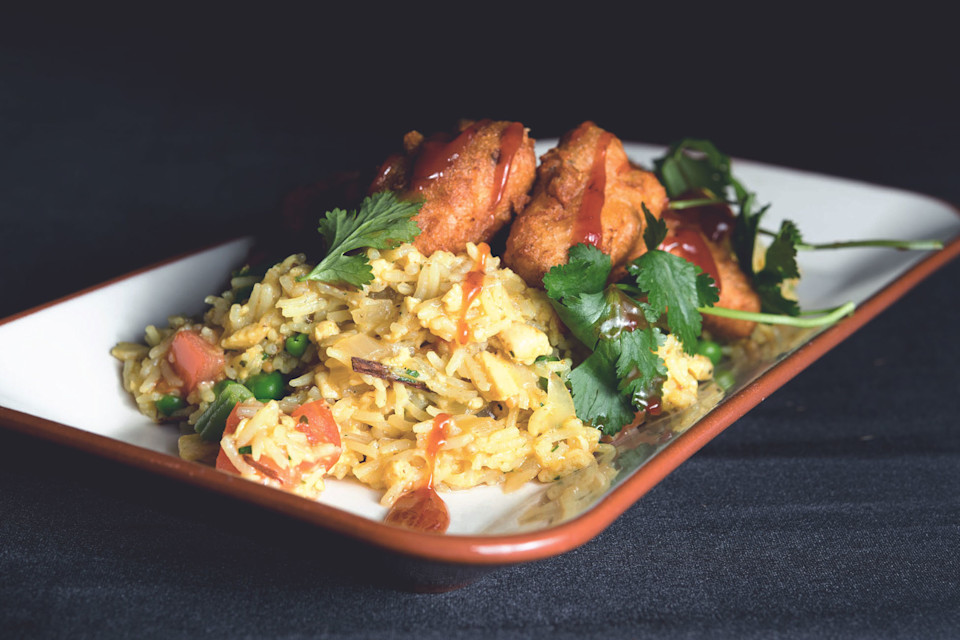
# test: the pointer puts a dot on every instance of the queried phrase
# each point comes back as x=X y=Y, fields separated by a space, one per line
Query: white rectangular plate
x=71 y=340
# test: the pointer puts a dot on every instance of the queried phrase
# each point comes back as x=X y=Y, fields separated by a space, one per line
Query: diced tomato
x=195 y=360
x=264 y=465
x=315 y=420
x=233 y=421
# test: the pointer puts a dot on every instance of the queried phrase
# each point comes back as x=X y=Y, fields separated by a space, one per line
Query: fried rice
x=387 y=360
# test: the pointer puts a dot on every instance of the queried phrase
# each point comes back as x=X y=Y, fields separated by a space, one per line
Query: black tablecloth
x=830 y=510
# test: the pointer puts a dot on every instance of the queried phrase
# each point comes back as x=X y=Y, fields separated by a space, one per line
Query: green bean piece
x=170 y=404
x=296 y=345
x=267 y=386
x=212 y=422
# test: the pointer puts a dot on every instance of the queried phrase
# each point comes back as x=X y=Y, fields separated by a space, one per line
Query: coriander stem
x=903 y=245
x=678 y=205
x=829 y=316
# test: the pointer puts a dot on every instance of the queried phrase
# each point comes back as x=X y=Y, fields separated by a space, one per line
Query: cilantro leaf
x=584 y=315
x=781 y=256
x=744 y=236
x=624 y=371
x=596 y=394
x=780 y=263
x=771 y=295
x=638 y=361
x=612 y=325
x=706 y=169
x=577 y=291
x=655 y=229
x=678 y=288
x=382 y=222
x=586 y=271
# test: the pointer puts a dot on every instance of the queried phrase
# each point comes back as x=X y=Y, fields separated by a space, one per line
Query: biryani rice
x=513 y=419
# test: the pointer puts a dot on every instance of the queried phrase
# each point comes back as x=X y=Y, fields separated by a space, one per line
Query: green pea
x=266 y=386
x=296 y=345
x=169 y=404
x=724 y=378
x=710 y=349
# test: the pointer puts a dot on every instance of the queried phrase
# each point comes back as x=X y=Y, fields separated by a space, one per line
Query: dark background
x=831 y=510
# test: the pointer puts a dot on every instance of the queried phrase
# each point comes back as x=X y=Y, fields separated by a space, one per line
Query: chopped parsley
x=245 y=450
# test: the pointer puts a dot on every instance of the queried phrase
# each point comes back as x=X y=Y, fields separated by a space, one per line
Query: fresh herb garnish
x=902 y=245
x=698 y=167
x=382 y=222
x=622 y=331
x=780 y=264
x=694 y=166
x=245 y=450
x=673 y=285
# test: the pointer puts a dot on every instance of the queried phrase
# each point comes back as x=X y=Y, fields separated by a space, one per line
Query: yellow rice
x=513 y=418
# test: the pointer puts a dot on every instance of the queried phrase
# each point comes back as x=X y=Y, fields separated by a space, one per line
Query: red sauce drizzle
x=390 y=175
x=589 y=228
x=423 y=509
x=688 y=243
x=510 y=141
x=653 y=406
x=472 y=286
x=716 y=221
x=437 y=153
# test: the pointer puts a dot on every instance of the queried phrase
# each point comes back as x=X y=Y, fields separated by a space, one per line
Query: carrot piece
x=195 y=360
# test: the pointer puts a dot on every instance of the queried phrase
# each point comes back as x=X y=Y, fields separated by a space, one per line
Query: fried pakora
x=471 y=183
x=587 y=191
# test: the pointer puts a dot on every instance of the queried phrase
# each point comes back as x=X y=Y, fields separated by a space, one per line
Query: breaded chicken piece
x=471 y=183
x=586 y=191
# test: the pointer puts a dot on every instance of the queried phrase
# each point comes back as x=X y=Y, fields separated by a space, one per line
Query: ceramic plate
x=488 y=527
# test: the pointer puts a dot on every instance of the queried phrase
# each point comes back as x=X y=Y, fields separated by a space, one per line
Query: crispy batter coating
x=736 y=292
x=472 y=183
x=555 y=218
